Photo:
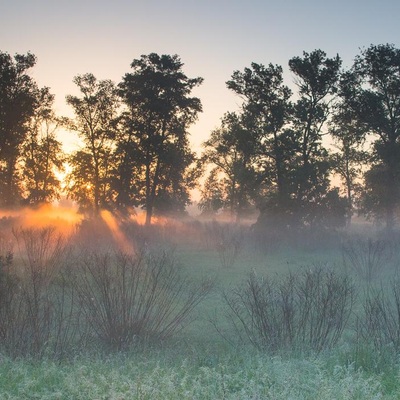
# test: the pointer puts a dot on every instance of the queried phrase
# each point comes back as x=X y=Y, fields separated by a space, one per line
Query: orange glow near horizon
x=63 y=218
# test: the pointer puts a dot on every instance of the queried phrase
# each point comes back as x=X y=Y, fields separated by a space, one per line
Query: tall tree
x=18 y=96
x=371 y=92
x=267 y=105
x=95 y=115
x=42 y=154
x=160 y=110
x=316 y=77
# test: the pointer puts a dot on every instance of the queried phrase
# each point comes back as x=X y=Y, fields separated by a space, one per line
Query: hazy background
x=213 y=38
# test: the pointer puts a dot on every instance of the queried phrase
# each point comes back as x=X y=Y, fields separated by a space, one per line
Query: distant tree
x=267 y=105
x=316 y=77
x=371 y=93
x=96 y=112
x=231 y=150
x=18 y=97
x=159 y=111
x=42 y=153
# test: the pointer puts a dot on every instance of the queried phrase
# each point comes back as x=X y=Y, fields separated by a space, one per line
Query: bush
x=36 y=308
x=304 y=310
x=379 y=325
x=367 y=258
x=128 y=297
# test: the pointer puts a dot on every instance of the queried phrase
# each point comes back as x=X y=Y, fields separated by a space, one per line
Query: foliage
x=230 y=150
x=350 y=158
x=95 y=119
x=272 y=152
x=18 y=100
x=316 y=76
x=159 y=111
x=266 y=114
x=370 y=91
x=42 y=154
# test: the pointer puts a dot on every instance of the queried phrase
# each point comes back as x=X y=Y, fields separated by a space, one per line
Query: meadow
x=197 y=310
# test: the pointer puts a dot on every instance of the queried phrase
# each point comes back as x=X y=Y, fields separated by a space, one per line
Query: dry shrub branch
x=304 y=310
x=130 y=297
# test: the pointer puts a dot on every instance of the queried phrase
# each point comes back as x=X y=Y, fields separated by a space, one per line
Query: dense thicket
x=278 y=154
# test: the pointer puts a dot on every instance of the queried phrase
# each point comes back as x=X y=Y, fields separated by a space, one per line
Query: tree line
x=277 y=154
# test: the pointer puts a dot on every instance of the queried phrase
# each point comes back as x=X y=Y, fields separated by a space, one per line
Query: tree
x=95 y=119
x=349 y=159
x=42 y=155
x=231 y=150
x=371 y=93
x=159 y=112
x=267 y=105
x=18 y=97
x=316 y=77
x=212 y=194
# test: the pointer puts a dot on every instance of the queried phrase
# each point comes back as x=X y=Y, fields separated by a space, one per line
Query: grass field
x=212 y=356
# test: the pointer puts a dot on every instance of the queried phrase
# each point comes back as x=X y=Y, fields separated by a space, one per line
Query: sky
x=212 y=38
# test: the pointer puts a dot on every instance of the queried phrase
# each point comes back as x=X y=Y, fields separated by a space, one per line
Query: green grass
x=155 y=375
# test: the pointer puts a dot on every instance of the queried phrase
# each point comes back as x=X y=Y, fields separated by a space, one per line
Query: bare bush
x=127 y=297
x=367 y=258
x=306 y=310
x=37 y=314
x=380 y=323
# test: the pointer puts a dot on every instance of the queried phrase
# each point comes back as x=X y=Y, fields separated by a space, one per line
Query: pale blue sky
x=213 y=38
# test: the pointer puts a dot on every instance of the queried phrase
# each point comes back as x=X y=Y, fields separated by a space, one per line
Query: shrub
x=304 y=310
x=379 y=325
x=36 y=311
x=367 y=258
x=128 y=297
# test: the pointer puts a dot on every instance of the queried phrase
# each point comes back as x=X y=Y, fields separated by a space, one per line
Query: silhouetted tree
x=316 y=77
x=371 y=93
x=18 y=97
x=159 y=112
x=95 y=116
x=231 y=149
x=42 y=154
x=349 y=158
x=267 y=105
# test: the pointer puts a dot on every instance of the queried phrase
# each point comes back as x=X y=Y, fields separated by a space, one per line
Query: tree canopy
x=277 y=155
